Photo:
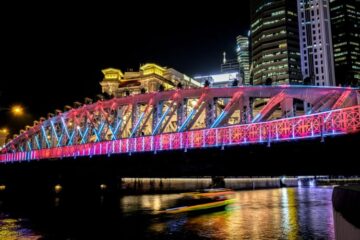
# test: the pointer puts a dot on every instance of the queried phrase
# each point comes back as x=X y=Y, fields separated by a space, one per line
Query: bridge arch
x=187 y=118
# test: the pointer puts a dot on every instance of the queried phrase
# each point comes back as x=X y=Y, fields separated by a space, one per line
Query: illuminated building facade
x=149 y=78
x=242 y=51
x=275 y=42
x=345 y=24
x=3 y=135
x=229 y=67
x=315 y=42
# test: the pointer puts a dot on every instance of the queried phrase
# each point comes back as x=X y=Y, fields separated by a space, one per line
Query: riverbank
x=174 y=185
x=346 y=205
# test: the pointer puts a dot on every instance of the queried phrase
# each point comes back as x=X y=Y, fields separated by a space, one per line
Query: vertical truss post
x=210 y=112
x=287 y=107
x=134 y=117
x=245 y=110
x=158 y=107
x=181 y=112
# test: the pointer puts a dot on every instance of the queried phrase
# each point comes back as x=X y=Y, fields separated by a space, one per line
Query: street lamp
x=4 y=131
x=16 y=110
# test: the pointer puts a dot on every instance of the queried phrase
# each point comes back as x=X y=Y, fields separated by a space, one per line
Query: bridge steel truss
x=189 y=118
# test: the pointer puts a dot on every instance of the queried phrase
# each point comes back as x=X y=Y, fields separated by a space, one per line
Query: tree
x=268 y=82
x=100 y=97
x=206 y=83
x=235 y=83
x=161 y=88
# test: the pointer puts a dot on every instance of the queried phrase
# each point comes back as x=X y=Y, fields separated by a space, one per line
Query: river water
x=284 y=213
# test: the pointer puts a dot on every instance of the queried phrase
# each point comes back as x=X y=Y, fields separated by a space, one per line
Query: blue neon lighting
x=115 y=130
x=98 y=132
x=161 y=120
x=137 y=124
x=65 y=127
x=54 y=130
x=71 y=137
x=83 y=135
x=219 y=119
x=45 y=136
x=256 y=118
x=37 y=141
x=29 y=145
x=187 y=120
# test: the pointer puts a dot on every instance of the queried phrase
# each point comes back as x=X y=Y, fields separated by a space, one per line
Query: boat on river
x=204 y=200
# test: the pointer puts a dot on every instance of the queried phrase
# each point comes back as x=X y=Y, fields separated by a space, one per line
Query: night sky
x=52 y=58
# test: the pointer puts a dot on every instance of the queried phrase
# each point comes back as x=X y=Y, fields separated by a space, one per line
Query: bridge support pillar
x=210 y=112
x=181 y=112
x=307 y=107
x=134 y=116
x=287 y=107
x=246 y=110
x=158 y=108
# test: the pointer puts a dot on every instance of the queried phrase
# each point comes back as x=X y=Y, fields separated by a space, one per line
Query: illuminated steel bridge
x=190 y=118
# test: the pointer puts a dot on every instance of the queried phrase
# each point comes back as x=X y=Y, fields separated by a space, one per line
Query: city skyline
x=70 y=56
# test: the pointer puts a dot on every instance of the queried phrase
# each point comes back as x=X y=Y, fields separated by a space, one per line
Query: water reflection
x=11 y=229
x=287 y=213
x=264 y=214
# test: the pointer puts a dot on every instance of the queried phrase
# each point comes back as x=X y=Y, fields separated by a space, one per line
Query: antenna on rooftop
x=224 y=59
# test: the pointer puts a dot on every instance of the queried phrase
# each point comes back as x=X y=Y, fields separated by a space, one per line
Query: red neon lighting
x=341 y=121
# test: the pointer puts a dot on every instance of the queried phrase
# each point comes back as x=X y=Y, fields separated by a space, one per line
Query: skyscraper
x=317 y=62
x=242 y=51
x=275 y=42
x=229 y=65
x=345 y=24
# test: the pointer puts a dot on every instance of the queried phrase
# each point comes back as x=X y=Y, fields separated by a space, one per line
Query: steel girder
x=170 y=111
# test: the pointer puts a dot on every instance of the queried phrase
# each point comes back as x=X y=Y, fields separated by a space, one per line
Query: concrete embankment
x=158 y=185
x=346 y=204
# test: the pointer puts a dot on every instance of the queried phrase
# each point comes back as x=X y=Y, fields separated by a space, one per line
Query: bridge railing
x=340 y=121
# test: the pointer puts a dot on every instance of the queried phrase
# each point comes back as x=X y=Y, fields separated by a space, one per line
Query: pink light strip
x=341 y=121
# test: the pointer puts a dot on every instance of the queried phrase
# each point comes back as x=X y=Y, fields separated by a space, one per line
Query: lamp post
x=15 y=110
x=3 y=135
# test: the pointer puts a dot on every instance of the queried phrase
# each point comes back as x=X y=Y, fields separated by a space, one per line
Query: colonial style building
x=149 y=78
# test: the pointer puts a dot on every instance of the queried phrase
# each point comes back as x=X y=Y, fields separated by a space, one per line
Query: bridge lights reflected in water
x=312 y=183
x=286 y=213
x=289 y=213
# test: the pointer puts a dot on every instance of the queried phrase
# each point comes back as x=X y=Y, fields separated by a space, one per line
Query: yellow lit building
x=149 y=78
x=3 y=135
